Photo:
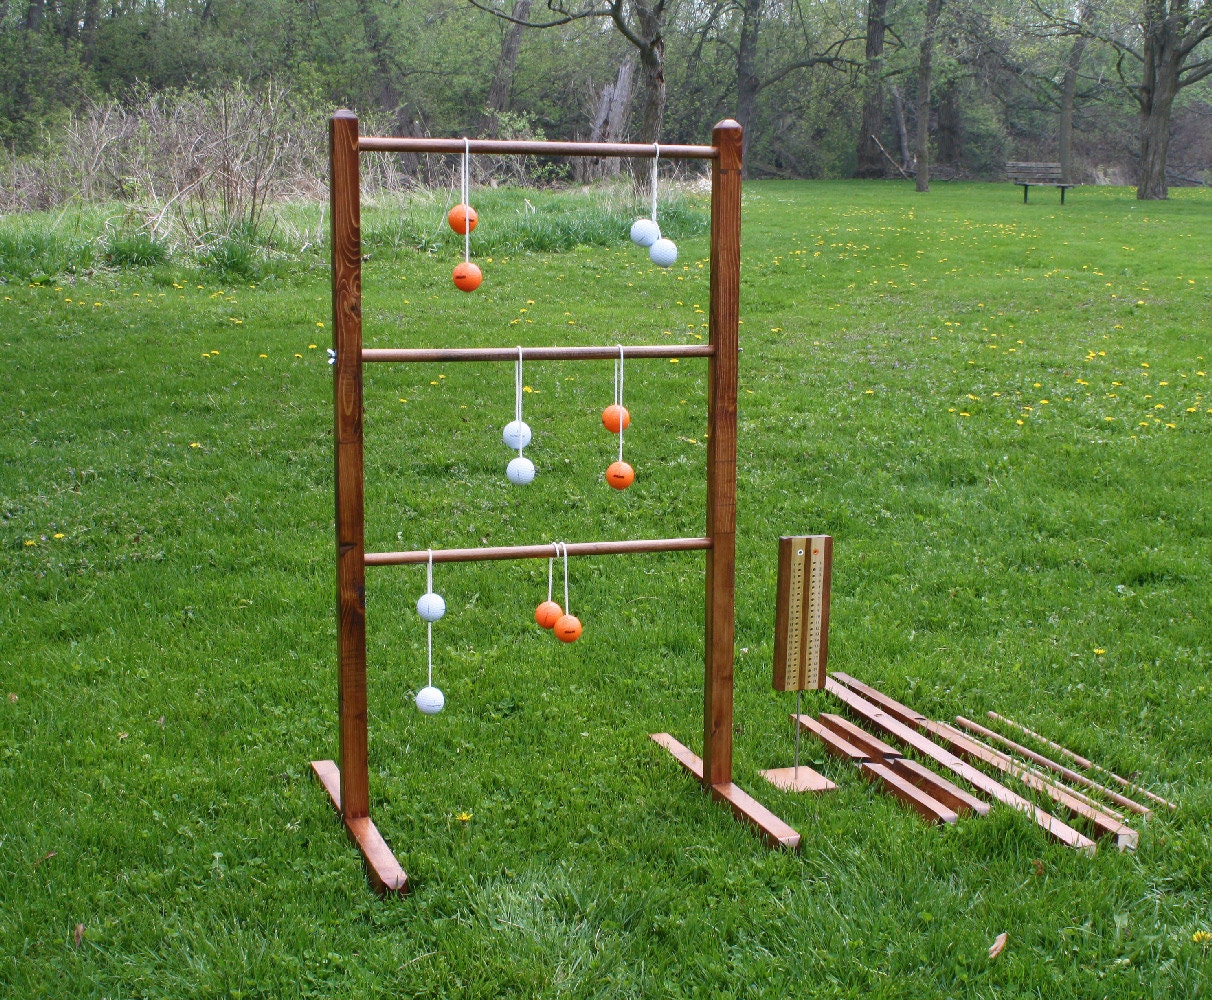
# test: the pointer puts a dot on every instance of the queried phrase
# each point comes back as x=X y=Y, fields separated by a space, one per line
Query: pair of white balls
x=431 y=607
x=646 y=233
x=521 y=469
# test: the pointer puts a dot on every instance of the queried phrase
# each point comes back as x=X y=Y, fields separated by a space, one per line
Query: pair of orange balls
x=615 y=419
x=567 y=628
x=463 y=219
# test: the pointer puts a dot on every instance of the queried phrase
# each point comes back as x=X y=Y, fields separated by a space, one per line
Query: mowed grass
x=1000 y=412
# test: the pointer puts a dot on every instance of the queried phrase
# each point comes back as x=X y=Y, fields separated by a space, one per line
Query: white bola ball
x=520 y=471
x=431 y=606
x=664 y=253
x=430 y=700
x=516 y=434
x=645 y=232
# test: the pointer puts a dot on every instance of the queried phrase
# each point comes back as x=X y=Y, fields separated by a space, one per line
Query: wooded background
x=1117 y=90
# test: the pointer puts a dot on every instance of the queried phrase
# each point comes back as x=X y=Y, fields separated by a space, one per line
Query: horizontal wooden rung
x=442 y=354
x=634 y=545
x=527 y=147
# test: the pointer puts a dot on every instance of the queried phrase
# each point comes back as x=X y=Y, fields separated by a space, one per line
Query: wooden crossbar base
x=798 y=779
x=769 y=827
x=382 y=868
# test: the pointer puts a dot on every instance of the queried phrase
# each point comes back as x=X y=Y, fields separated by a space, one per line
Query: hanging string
x=517 y=391
x=551 y=567
x=567 y=609
x=656 y=156
x=429 y=624
x=466 y=201
x=618 y=396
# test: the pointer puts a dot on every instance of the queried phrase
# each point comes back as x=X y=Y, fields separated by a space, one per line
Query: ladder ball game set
x=804 y=566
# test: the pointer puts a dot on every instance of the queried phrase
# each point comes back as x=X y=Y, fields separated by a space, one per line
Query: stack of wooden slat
x=960 y=751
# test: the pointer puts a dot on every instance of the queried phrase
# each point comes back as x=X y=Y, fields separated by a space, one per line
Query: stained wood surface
x=721 y=454
x=893 y=707
x=847 y=730
x=382 y=869
x=798 y=779
x=772 y=830
x=1103 y=822
x=801 y=612
x=393 y=144
x=609 y=353
x=836 y=745
x=346 y=245
x=537 y=551
x=922 y=744
x=916 y=798
x=938 y=787
x=1065 y=772
x=1089 y=765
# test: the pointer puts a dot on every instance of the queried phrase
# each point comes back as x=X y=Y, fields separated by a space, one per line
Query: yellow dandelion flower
x=1202 y=937
x=319 y=323
x=1099 y=652
x=298 y=355
x=464 y=817
x=58 y=534
x=31 y=541
x=194 y=444
x=311 y=347
x=263 y=355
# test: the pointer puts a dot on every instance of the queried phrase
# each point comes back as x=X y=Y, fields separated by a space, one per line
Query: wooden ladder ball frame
x=348 y=785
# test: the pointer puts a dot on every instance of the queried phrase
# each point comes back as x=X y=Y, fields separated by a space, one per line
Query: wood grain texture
x=625 y=547
x=938 y=787
x=1089 y=765
x=346 y=245
x=798 y=779
x=1106 y=824
x=1067 y=773
x=847 y=730
x=836 y=745
x=382 y=869
x=772 y=830
x=916 y=798
x=890 y=705
x=721 y=454
x=922 y=744
x=610 y=353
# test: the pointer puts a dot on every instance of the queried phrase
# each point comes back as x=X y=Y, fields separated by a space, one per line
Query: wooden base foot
x=382 y=869
x=798 y=779
x=769 y=827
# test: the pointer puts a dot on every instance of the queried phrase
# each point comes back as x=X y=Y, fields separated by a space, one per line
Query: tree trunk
x=924 y=68
x=870 y=161
x=1155 y=137
x=902 y=133
x=950 y=125
x=502 y=80
x=649 y=41
x=609 y=125
x=91 y=13
x=1069 y=97
x=747 y=81
x=33 y=15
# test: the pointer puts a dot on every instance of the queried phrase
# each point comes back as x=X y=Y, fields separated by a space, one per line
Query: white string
x=550 y=568
x=429 y=573
x=466 y=205
x=517 y=393
x=618 y=397
x=567 y=609
x=429 y=632
x=656 y=156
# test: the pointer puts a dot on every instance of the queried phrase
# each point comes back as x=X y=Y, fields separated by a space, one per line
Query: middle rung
x=536 y=353
x=537 y=551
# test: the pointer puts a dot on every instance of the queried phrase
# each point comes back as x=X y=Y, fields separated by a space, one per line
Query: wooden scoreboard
x=801 y=617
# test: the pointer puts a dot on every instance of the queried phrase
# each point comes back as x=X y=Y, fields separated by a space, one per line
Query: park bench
x=1046 y=174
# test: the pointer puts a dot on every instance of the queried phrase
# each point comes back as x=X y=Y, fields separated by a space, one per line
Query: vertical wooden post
x=721 y=453
x=346 y=241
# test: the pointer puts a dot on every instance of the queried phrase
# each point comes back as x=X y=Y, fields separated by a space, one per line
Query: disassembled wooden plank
x=798 y=779
x=852 y=734
x=902 y=713
x=383 y=870
x=1065 y=772
x=1103 y=822
x=835 y=744
x=770 y=828
x=1082 y=762
x=1055 y=828
x=938 y=787
x=909 y=793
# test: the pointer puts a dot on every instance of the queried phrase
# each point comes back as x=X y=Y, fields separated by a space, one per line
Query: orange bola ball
x=548 y=613
x=461 y=217
x=613 y=416
x=620 y=475
x=467 y=277
x=568 y=628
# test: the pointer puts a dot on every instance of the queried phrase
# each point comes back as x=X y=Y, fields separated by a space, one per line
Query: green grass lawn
x=999 y=411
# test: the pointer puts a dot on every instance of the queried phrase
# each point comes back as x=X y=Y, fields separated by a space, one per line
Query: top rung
x=519 y=147
x=536 y=353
